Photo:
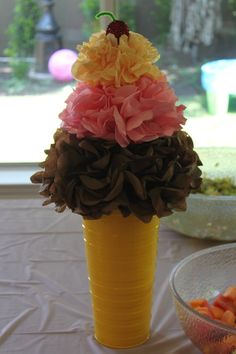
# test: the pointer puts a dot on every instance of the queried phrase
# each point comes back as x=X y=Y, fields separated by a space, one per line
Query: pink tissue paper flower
x=132 y=113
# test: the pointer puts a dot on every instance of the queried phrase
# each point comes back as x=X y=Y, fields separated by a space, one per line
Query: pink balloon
x=60 y=63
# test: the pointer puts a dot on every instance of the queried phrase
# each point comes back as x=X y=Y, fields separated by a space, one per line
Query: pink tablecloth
x=44 y=300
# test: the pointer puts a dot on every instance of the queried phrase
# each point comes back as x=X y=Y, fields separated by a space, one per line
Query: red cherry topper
x=116 y=27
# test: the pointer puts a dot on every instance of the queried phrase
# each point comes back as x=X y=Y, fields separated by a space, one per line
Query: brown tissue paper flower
x=93 y=177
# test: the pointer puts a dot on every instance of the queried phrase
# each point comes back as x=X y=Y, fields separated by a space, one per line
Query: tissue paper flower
x=135 y=113
x=102 y=61
x=93 y=177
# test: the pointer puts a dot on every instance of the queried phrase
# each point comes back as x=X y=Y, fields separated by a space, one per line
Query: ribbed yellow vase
x=121 y=259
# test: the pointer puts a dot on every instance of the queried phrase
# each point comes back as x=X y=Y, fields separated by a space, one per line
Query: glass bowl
x=210 y=217
x=206 y=217
x=205 y=274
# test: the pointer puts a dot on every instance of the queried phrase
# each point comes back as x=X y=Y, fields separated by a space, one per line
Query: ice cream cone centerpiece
x=122 y=161
x=121 y=257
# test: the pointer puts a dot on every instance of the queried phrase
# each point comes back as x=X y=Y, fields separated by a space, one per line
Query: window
x=30 y=106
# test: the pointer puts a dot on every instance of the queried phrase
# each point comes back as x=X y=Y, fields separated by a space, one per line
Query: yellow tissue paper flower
x=103 y=61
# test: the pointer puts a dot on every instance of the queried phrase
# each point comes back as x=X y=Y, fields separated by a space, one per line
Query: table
x=44 y=299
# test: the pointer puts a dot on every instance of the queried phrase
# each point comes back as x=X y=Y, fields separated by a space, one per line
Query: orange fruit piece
x=198 y=302
x=228 y=318
x=216 y=311
x=224 y=302
x=204 y=311
x=230 y=293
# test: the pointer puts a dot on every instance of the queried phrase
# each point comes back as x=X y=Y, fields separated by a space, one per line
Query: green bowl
x=209 y=217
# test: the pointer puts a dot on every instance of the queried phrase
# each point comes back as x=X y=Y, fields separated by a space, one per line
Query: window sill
x=15 y=181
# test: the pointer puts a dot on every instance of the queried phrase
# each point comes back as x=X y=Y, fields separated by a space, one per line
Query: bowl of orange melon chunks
x=203 y=286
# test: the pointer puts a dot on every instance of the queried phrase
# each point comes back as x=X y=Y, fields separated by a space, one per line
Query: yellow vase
x=121 y=258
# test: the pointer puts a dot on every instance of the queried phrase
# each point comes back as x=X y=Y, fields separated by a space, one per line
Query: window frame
x=15 y=180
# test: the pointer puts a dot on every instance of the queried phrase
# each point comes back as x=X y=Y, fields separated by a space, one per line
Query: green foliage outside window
x=127 y=11
x=21 y=33
x=232 y=6
x=161 y=19
x=89 y=9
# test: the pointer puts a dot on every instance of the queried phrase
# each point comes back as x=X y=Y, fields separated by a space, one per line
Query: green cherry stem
x=105 y=13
